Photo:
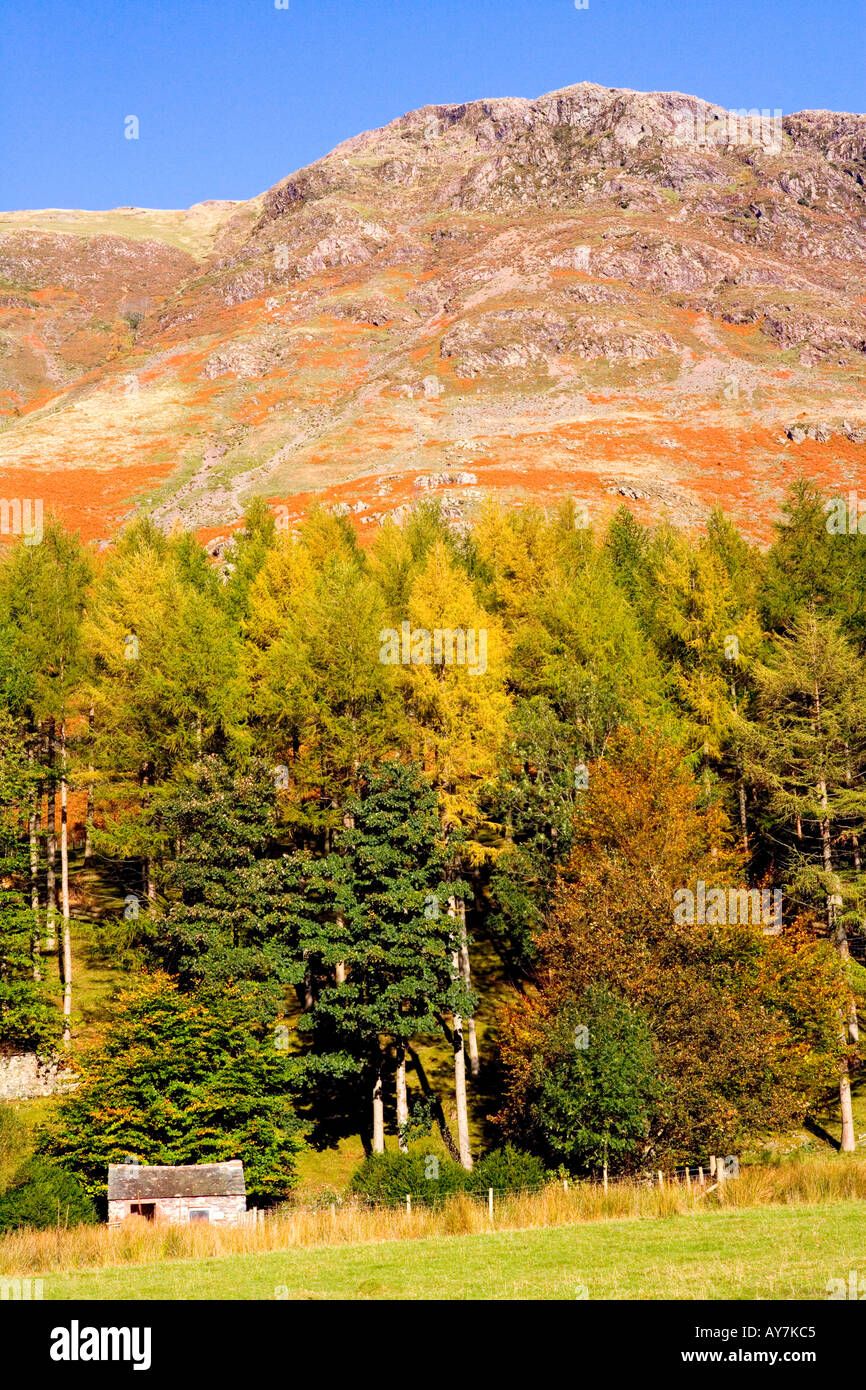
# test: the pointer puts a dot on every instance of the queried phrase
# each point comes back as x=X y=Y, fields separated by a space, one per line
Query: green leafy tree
x=390 y=931
x=220 y=919
x=176 y=1080
x=595 y=1084
x=28 y=1014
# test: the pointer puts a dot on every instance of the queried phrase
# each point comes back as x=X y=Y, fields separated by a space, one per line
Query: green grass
x=782 y=1252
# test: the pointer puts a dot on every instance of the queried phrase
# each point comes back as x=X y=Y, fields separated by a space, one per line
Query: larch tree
x=28 y=1014
x=322 y=703
x=709 y=636
x=456 y=709
x=165 y=683
x=46 y=587
x=807 y=749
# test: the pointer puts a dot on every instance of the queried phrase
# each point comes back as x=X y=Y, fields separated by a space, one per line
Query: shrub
x=390 y=1176
x=13 y=1146
x=507 y=1170
x=597 y=1085
x=42 y=1195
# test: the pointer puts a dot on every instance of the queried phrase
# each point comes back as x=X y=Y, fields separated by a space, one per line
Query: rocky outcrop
x=524 y=273
x=823 y=433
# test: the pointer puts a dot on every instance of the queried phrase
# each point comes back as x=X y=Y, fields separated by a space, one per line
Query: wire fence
x=700 y=1176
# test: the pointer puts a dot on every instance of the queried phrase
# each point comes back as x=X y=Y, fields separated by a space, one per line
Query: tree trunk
x=340 y=967
x=33 y=828
x=741 y=783
x=51 y=849
x=839 y=937
x=474 y=1065
x=855 y=838
x=402 y=1098
x=378 y=1111
x=741 y=797
x=460 y=1088
x=64 y=894
x=435 y=1104
x=307 y=983
x=88 y=821
x=459 y=1055
x=840 y=941
x=849 y=1139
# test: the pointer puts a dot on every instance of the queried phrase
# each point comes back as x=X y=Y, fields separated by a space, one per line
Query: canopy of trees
x=299 y=852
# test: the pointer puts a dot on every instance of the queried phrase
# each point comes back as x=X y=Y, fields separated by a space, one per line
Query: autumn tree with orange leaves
x=743 y=1024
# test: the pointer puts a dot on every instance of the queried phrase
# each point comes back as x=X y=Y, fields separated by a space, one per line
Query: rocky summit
x=609 y=294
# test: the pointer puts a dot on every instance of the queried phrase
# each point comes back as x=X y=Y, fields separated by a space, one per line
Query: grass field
x=780 y=1252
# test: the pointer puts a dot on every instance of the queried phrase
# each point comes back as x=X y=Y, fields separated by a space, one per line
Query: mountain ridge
x=600 y=292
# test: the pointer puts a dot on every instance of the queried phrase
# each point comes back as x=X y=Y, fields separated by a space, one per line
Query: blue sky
x=232 y=95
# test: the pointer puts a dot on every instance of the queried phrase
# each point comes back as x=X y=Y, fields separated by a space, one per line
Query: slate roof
x=132 y=1182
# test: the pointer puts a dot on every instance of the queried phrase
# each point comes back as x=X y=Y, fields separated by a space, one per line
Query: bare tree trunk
x=378 y=1112
x=741 y=784
x=88 y=822
x=849 y=1138
x=64 y=894
x=460 y=1087
x=307 y=985
x=855 y=839
x=474 y=1065
x=840 y=941
x=402 y=1098
x=33 y=828
x=340 y=967
x=51 y=849
x=459 y=1055
x=744 y=824
x=435 y=1104
x=839 y=937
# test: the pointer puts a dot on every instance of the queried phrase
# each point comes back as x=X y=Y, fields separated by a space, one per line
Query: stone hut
x=193 y=1192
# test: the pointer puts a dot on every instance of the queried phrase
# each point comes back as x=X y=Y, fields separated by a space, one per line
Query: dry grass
x=142 y=1242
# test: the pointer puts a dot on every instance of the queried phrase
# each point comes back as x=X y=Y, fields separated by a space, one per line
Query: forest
x=584 y=807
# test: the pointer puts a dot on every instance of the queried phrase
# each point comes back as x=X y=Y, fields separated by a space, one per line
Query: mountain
x=601 y=292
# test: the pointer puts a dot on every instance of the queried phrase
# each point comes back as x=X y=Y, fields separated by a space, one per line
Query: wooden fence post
x=408 y=1205
x=490 y=1202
